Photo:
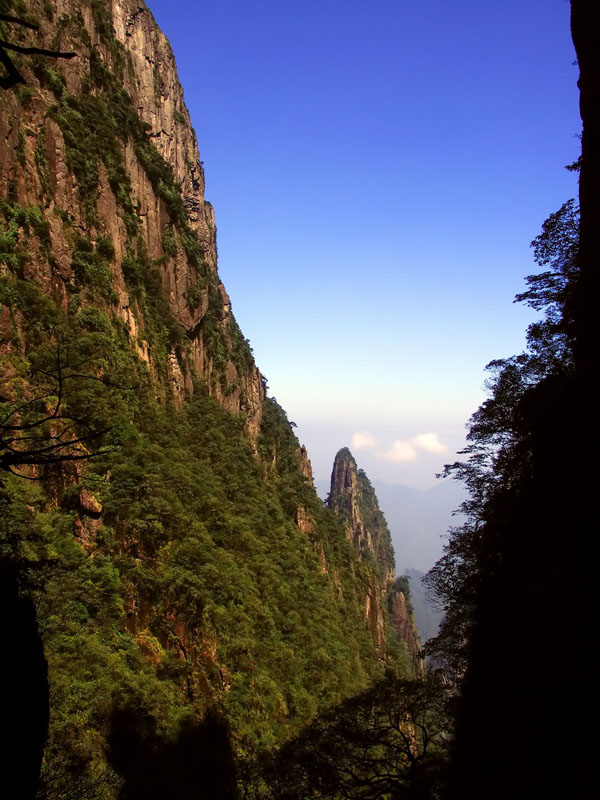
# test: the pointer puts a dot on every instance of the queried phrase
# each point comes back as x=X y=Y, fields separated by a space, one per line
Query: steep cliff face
x=182 y=561
x=403 y=621
x=354 y=501
x=104 y=145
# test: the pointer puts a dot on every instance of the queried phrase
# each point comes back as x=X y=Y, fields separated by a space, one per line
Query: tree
x=501 y=451
x=387 y=742
x=34 y=433
x=196 y=764
x=13 y=75
x=509 y=602
x=39 y=431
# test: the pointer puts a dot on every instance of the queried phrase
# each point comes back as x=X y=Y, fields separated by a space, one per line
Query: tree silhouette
x=502 y=577
x=518 y=580
x=24 y=681
x=390 y=741
x=39 y=431
x=13 y=76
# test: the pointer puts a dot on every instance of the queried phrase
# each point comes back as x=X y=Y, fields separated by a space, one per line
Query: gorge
x=182 y=615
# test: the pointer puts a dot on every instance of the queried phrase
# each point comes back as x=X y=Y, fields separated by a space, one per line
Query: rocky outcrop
x=305 y=465
x=402 y=620
x=354 y=501
x=131 y=180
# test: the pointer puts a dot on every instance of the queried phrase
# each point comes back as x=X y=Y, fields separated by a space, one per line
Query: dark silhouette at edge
x=198 y=763
x=526 y=725
x=24 y=680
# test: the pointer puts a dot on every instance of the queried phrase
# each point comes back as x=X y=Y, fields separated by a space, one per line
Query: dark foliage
x=390 y=741
x=502 y=433
x=23 y=684
x=513 y=616
x=40 y=432
x=197 y=764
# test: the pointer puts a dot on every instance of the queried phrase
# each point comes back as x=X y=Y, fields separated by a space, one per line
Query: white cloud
x=430 y=442
x=408 y=450
x=363 y=439
x=399 y=451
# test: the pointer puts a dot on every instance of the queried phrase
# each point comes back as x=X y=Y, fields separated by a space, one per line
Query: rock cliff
x=403 y=621
x=104 y=144
x=354 y=501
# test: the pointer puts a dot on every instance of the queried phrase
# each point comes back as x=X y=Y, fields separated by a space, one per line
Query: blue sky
x=378 y=170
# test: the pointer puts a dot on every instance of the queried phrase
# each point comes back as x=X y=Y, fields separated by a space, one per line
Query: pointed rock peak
x=353 y=499
x=344 y=478
x=305 y=465
x=344 y=454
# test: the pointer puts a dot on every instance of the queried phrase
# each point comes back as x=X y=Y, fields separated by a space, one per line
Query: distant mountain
x=387 y=603
x=418 y=520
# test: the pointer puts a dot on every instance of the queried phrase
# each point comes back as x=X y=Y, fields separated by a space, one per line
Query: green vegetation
x=375 y=521
x=21 y=148
x=171 y=581
x=389 y=741
x=91 y=266
x=200 y=585
x=30 y=220
x=194 y=296
x=196 y=586
x=42 y=166
x=402 y=584
x=169 y=242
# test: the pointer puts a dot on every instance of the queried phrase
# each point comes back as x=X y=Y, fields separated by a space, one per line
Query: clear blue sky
x=378 y=170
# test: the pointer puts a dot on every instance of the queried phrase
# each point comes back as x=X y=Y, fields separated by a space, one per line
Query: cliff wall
x=104 y=144
x=354 y=501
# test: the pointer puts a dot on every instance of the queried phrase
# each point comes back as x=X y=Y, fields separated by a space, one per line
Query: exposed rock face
x=354 y=501
x=402 y=620
x=157 y=199
x=303 y=520
x=89 y=505
x=305 y=465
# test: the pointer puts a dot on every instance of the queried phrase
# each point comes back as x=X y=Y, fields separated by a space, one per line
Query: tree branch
x=34 y=51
